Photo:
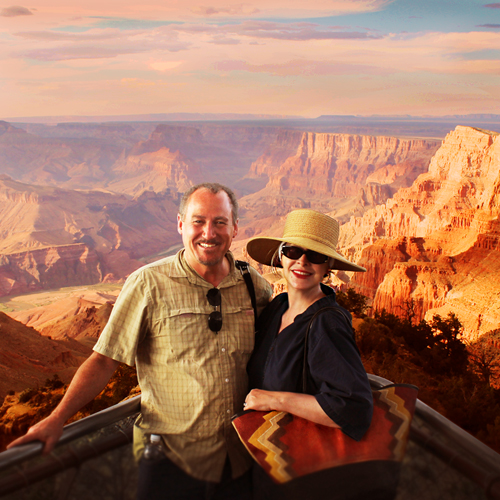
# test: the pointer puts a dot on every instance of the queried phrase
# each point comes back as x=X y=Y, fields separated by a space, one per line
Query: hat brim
x=263 y=249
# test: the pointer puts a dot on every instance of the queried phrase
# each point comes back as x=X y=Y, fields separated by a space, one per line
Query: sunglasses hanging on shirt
x=295 y=253
x=215 y=317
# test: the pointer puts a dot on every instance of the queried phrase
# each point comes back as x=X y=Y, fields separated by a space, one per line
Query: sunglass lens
x=213 y=296
x=293 y=253
x=215 y=321
x=315 y=257
x=296 y=253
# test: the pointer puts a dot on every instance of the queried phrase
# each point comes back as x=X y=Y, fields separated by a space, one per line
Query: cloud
x=494 y=26
x=301 y=31
x=222 y=40
x=163 y=66
x=493 y=5
x=301 y=67
x=98 y=44
x=15 y=11
x=235 y=10
x=52 y=36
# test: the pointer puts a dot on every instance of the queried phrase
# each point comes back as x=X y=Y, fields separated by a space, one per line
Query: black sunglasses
x=215 y=317
x=295 y=253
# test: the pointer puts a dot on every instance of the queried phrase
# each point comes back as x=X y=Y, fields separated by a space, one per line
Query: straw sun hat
x=307 y=229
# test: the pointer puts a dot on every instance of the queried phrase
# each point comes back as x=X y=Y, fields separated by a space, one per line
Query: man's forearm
x=90 y=379
x=88 y=382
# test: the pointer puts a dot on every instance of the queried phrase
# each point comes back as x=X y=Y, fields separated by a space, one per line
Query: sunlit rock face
x=435 y=245
x=324 y=165
x=339 y=174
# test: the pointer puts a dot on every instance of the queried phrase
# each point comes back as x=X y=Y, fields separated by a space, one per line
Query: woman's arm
x=302 y=405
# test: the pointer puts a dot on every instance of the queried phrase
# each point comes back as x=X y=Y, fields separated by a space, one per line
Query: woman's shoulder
x=329 y=317
x=276 y=305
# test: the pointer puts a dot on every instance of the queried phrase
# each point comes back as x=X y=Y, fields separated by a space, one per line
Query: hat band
x=308 y=236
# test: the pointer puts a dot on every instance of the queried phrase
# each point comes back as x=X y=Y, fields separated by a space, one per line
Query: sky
x=267 y=57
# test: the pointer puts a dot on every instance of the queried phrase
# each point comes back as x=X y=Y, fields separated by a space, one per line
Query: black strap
x=245 y=272
x=306 y=339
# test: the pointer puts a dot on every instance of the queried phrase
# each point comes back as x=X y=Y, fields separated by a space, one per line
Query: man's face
x=207 y=230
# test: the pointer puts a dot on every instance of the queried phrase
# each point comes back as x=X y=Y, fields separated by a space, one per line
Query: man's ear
x=179 y=224
x=235 y=228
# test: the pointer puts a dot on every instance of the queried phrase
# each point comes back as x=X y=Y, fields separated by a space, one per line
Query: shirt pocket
x=240 y=328
x=182 y=334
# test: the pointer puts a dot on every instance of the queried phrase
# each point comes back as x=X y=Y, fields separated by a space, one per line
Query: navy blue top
x=337 y=377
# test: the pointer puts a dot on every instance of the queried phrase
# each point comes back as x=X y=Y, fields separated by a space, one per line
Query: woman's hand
x=258 y=399
x=302 y=405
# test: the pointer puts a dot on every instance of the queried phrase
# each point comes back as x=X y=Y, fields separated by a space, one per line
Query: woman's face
x=301 y=274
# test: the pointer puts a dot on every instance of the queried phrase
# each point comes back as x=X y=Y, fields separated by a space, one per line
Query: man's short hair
x=214 y=188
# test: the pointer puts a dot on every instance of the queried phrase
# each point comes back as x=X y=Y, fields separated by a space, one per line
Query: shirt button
x=227 y=380
x=228 y=411
x=223 y=349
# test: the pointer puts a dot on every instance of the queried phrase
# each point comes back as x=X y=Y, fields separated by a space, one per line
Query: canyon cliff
x=131 y=157
x=340 y=174
x=434 y=246
x=28 y=358
x=52 y=237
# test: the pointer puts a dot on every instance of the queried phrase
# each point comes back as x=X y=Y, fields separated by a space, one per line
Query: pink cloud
x=493 y=5
x=235 y=10
x=15 y=11
x=222 y=40
x=301 y=67
x=301 y=31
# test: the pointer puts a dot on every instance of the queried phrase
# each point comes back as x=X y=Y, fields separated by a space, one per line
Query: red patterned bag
x=316 y=461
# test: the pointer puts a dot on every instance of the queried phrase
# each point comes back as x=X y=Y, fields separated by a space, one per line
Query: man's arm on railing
x=88 y=382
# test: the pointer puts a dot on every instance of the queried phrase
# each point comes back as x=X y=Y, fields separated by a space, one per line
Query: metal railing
x=435 y=444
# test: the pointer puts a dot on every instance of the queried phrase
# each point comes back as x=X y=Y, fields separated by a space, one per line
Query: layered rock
x=155 y=171
x=339 y=174
x=435 y=245
x=320 y=165
x=50 y=237
x=27 y=358
x=132 y=157
x=177 y=157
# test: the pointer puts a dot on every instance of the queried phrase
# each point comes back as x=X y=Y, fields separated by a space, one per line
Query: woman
x=338 y=391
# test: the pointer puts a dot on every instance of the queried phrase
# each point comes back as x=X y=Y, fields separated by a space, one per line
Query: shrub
x=27 y=394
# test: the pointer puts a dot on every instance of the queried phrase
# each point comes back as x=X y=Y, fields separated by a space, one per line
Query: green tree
x=354 y=302
x=449 y=353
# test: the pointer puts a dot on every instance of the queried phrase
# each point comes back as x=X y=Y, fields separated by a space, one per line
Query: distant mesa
x=89 y=203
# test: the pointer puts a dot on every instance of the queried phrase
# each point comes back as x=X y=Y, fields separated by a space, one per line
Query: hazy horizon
x=285 y=59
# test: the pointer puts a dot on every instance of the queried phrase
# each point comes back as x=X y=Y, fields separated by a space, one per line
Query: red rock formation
x=339 y=174
x=52 y=237
x=437 y=242
x=27 y=358
x=51 y=267
x=155 y=171
x=337 y=165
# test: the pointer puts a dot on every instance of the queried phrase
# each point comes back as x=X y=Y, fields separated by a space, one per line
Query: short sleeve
x=127 y=324
x=341 y=385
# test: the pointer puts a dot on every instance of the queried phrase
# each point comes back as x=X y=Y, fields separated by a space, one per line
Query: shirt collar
x=182 y=269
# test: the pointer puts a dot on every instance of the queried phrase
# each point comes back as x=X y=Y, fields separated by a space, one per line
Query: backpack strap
x=245 y=272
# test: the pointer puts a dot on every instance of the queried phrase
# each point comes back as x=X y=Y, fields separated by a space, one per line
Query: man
x=191 y=359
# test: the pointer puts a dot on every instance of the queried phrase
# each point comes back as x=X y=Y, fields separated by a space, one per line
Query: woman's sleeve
x=342 y=387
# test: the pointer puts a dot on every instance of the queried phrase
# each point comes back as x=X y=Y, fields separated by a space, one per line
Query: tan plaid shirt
x=192 y=380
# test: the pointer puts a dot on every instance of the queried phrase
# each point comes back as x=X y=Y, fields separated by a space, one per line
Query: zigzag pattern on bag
x=288 y=447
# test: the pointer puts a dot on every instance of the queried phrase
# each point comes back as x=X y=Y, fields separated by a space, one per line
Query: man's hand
x=48 y=431
x=89 y=380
